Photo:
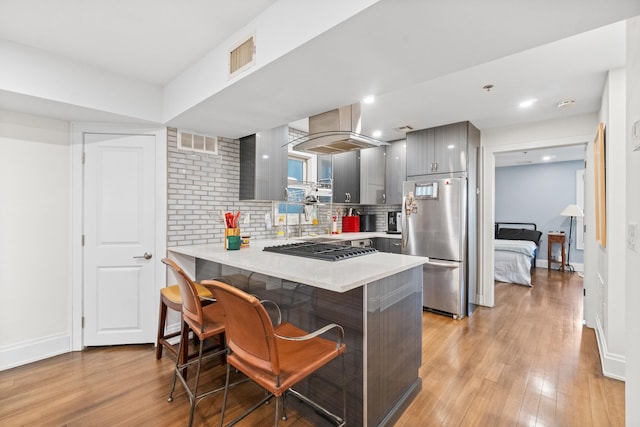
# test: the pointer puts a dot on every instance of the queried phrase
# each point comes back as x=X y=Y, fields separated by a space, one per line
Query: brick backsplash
x=200 y=186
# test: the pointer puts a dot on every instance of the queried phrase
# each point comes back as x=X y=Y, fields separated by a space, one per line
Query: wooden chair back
x=248 y=327
x=191 y=305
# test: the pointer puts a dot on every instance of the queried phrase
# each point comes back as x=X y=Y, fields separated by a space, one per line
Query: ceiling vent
x=242 y=56
x=190 y=141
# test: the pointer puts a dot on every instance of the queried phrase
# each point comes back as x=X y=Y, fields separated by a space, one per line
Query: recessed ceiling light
x=547 y=158
x=369 y=99
x=566 y=104
x=528 y=103
x=377 y=133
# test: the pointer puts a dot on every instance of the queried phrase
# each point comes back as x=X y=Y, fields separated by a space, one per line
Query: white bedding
x=513 y=261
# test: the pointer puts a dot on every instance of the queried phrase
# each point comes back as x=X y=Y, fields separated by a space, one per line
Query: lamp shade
x=572 y=210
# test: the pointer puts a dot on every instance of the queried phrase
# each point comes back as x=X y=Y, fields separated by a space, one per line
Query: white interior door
x=119 y=224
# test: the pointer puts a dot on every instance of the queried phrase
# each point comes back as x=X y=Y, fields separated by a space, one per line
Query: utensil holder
x=230 y=232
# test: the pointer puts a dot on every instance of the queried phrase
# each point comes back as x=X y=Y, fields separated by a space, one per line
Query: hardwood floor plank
x=528 y=361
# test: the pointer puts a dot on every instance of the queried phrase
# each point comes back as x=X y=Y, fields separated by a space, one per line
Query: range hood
x=336 y=131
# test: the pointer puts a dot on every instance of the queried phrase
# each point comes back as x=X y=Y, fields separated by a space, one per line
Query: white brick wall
x=201 y=183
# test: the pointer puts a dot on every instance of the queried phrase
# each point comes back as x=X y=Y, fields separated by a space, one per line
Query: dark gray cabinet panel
x=263 y=165
x=393 y=246
x=346 y=177
x=396 y=171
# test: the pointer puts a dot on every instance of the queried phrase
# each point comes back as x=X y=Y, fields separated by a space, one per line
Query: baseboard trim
x=577 y=266
x=25 y=352
x=613 y=365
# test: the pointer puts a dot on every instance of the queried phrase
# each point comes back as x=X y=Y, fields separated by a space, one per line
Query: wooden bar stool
x=206 y=322
x=275 y=356
x=170 y=298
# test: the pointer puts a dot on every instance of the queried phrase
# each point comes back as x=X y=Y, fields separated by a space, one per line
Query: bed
x=516 y=247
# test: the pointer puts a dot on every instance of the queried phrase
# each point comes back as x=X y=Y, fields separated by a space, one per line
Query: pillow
x=519 y=234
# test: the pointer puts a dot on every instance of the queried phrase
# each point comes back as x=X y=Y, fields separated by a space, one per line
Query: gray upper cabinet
x=358 y=176
x=420 y=152
x=396 y=171
x=346 y=177
x=372 y=176
x=263 y=165
x=438 y=150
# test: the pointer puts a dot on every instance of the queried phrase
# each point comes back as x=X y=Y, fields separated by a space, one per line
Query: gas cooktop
x=323 y=251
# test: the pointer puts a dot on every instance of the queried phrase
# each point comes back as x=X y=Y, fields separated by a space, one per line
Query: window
x=297 y=168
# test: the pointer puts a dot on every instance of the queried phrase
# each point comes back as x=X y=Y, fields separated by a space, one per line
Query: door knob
x=146 y=255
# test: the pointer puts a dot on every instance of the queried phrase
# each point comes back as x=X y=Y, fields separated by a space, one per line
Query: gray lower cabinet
x=438 y=150
x=396 y=171
x=263 y=165
x=389 y=245
x=381 y=244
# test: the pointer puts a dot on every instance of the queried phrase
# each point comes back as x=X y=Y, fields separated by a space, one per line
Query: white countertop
x=337 y=276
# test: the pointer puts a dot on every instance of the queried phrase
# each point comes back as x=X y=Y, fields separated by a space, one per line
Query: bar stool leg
x=161 y=325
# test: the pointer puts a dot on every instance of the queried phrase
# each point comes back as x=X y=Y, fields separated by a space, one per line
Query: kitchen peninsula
x=376 y=297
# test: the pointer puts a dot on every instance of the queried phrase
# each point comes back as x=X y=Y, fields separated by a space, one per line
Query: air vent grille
x=190 y=141
x=242 y=56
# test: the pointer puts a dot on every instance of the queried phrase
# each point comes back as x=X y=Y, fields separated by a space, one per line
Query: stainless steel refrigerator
x=435 y=224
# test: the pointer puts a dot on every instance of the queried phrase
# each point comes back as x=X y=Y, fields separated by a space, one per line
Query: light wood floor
x=528 y=361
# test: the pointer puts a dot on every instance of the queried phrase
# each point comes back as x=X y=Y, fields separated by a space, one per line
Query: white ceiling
x=426 y=61
x=149 y=40
x=541 y=155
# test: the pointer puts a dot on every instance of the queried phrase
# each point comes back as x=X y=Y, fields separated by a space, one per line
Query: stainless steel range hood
x=336 y=131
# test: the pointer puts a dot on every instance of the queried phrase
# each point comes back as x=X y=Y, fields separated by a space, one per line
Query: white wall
x=539 y=205
x=43 y=75
x=551 y=133
x=34 y=238
x=610 y=276
x=632 y=372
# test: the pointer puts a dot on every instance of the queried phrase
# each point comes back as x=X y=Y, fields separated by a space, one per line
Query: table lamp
x=572 y=211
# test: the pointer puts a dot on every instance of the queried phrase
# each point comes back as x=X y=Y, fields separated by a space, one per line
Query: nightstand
x=551 y=239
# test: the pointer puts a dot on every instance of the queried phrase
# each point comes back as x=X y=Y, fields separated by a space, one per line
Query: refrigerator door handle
x=445 y=264
x=405 y=234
